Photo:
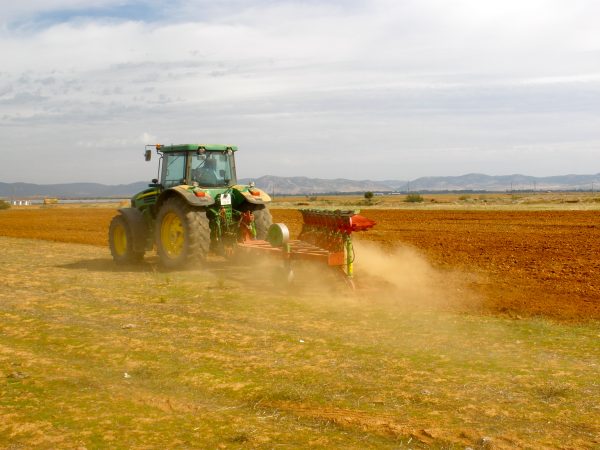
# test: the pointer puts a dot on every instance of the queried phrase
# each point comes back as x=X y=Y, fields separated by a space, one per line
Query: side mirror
x=222 y=173
x=148 y=155
x=155 y=180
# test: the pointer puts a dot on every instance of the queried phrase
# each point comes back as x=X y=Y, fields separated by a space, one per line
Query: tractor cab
x=213 y=169
x=206 y=166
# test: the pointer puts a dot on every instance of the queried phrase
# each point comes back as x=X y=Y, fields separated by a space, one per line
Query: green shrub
x=4 y=205
x=464 y=197
x=414 y=198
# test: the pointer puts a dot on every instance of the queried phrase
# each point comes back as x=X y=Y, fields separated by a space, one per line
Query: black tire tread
x=262 y=220
x=196 y=229
x=131 y=256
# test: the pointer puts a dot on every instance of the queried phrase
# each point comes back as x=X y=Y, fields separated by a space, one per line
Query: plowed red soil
x=528 y=262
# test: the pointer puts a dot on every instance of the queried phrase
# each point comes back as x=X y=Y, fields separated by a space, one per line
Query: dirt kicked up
x=520 y=263
x=533 y=263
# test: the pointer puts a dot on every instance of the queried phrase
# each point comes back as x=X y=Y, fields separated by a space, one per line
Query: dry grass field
x=496 y=201
x=469 y=328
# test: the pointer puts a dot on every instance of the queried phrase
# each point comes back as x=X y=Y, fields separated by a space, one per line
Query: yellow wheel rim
x=120 y=239
x=172 y=235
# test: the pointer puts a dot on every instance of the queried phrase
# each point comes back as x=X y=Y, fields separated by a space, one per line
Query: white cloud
x=292 y=82
x=147 y=138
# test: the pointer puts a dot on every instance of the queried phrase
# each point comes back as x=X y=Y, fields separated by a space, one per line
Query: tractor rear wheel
x=182 y=234
x=120 y=241
x=262 y=220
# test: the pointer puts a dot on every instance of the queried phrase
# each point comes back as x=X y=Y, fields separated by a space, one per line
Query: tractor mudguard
x=135 y=220
x=253 y=195
x=183 y=192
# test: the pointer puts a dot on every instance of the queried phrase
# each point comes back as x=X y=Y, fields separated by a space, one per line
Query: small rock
x=485 y=442
x=17 y=375
x=301 y=341
x=126 y=375
x=128 y=325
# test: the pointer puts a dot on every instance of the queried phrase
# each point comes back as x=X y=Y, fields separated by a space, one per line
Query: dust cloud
x=401 y=271
x=401 y=275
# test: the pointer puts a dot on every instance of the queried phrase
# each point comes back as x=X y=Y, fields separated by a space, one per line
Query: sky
x=378 y=89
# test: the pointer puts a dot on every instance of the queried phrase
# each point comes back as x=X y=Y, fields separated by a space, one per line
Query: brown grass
x=221 y=358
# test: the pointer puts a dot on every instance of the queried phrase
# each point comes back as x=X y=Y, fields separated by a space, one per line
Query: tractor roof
x=194 y=147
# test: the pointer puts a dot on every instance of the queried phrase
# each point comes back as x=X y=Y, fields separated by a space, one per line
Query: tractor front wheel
x=120 y=241
x=182 y=234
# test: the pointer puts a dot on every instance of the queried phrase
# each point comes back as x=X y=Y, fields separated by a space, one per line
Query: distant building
x=21 y=202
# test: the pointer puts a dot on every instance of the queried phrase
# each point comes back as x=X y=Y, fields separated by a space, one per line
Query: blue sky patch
x=136 y=11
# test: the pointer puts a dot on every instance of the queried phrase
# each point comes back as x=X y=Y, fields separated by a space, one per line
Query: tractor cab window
x=213 y=169
x=173 y=169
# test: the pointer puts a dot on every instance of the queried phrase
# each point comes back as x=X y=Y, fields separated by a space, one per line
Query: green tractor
x=195 y=207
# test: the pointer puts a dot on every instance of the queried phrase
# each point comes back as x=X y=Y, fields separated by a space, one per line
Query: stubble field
x=468 y=328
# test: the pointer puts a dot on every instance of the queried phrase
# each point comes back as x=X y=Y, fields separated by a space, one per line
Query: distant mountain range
x=480 y=182
x=307 y=186
x=70 y=190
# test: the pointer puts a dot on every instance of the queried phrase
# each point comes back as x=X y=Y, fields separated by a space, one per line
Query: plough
x=326 y=237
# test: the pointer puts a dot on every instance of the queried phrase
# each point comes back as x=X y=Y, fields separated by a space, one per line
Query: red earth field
x=530 y=262
x=527 y=262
